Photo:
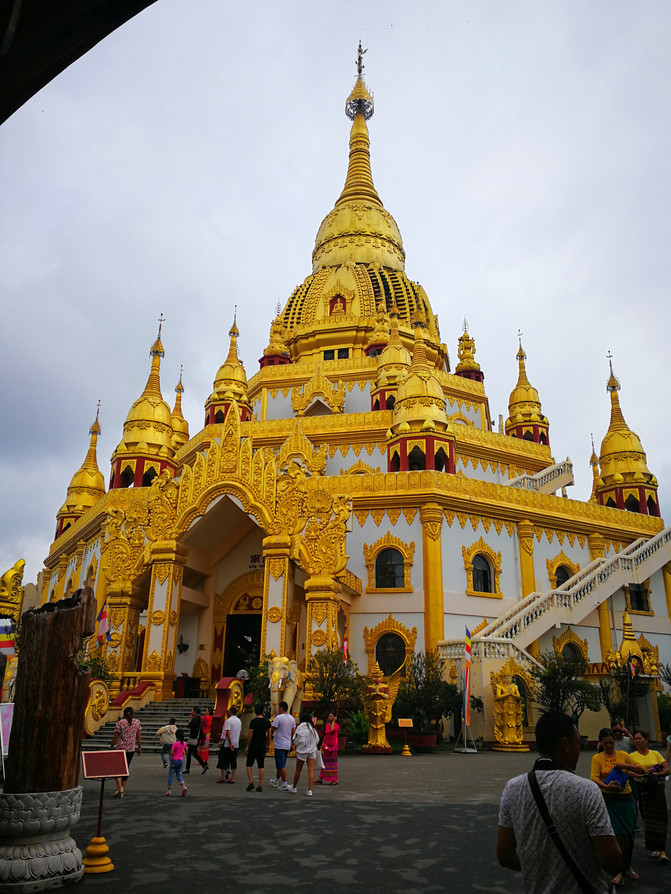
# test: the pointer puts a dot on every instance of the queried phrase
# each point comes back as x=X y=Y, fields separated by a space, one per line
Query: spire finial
x=591 y=434
x=359 y=59
x=161 y=321
x=278 y=309
x=98 y=411
x=464 y=325
x=613 y=383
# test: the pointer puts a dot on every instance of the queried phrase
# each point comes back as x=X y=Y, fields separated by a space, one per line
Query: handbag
x=583 y=884
x=191 y=742
x=319 y=760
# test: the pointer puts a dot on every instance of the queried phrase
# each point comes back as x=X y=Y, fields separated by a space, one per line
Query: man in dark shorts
x=257 y=745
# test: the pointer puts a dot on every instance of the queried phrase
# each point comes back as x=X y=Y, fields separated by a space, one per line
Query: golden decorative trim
x=157 y=617
x=318 y=637
x=389 y=625
x=645 y=585
x=162 y=571
x=361 y=516
x=153 y=664
x=276 y=567
x=494 y=560
x=393 y=515
x=274 y=614
x=553 y=565
x=568 y=636
x=409 y=515
x=360 y=468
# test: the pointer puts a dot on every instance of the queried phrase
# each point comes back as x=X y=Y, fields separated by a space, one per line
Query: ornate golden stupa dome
x=180 y=426
x=525 y=419
x=147 y=432
x=358 y=262
x=230 y=384
x=468 y=367
x=86 y=487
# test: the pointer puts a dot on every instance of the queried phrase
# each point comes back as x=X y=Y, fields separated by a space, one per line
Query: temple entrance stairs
x=152 y=717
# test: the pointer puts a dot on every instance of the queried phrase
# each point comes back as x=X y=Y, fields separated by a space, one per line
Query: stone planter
x=36 y=850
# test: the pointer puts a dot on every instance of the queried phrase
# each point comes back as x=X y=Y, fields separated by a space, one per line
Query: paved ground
x=394 y=824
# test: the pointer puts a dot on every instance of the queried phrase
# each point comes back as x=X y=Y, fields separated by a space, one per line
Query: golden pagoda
x=354 y=488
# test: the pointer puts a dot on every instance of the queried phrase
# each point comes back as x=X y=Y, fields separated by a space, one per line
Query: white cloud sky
x=184 y=165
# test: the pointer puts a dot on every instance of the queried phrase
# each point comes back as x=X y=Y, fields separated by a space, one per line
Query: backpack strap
x=583 y=884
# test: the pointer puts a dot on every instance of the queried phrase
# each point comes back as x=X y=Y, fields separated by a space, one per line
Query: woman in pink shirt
x=179 y=748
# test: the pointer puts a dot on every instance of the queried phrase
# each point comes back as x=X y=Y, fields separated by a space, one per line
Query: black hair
x=258 y=709
x=551 y=729
x=172 y=720
x=179 y=734
x=233 y=710
x=284 y=706
x=605 y=733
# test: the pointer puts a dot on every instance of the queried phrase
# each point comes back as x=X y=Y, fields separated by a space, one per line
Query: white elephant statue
x=286 y=685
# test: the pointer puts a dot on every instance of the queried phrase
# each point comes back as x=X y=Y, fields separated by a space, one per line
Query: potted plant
x=336 y=684
x=560 y=686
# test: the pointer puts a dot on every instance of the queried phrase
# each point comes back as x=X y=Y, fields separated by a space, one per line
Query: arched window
x=631 y=504
x=652 y=507
x=563 y=574
x=390 y=402
x=395 y=463
x=390 y=653
x=127 y=477
x=571 y=652
x=389 y=570
x=219 y=416
x=416 y=460
x=440 y=461
x=542 y=439
x=528 y=436
x=482 y=575
x=148 y=477
x=376 y=403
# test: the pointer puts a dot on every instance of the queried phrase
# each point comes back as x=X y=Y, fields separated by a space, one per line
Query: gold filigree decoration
x=389 y=625
x=96 y=707
x=481 y=626
x=274 y=614
x=493 y=559
x=409 y=515
x=115 y=640
x=371 y=552
x=393 y=515
x=360 y=468
x=319 y=386
x=154 y=662
x=377 y=515
x=162 y=572
x=201 y=669
x=113 y=662
x=361 y=516
x=318 y=637
x=319 y=612
x=169 y=663
x=554 y=564
x=11 y=591
x=568 y=636
x=173 y=618
x=157 y=617
x=276 y=568
x=299 y=448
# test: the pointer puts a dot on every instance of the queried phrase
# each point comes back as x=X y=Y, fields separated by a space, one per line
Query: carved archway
x=480 y=548
x=248 y=585
x=554 y=564
x=568 y=637
x=388 y=541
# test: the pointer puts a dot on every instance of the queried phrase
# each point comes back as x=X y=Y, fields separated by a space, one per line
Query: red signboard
x=103 y=764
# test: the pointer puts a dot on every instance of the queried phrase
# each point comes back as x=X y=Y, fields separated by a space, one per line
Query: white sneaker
x=283 y=788
x=309 y=793
x=274 y=783
x=292 y=789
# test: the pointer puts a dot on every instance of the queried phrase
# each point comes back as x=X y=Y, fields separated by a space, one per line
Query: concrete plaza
x=425 y=823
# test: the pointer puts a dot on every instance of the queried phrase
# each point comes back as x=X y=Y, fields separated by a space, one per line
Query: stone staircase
x=152 y=717
x=549 y=481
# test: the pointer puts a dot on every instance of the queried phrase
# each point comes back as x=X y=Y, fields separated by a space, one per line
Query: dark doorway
x=243 y=643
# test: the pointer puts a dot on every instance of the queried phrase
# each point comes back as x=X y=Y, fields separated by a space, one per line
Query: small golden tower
x=626 y=481
x=596 y=476
x=277 y=353
x=525 y=419
x=86 y=487
x=230 y=385
x=146 y=447
x=468 y=367
x=180 y=426
x=392 y=367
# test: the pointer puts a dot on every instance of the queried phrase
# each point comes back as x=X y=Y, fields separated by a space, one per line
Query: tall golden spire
x=180 y=426
x=525 y=419
x=87 y=484
x=359 y=229
x=230 y=384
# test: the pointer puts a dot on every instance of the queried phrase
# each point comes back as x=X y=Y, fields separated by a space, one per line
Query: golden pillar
x=666 y=577
x=123 y=613
x=165 y=593
x=277 y=583
x=525 y=536
x=322 y=594
x=431 y=517
x=596 y=545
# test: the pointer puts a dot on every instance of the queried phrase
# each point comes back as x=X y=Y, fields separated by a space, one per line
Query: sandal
x=632 y=875
x=663 y=858
x=618 y=881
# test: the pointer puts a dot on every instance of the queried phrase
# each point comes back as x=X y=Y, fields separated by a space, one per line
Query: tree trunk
x=51 y=696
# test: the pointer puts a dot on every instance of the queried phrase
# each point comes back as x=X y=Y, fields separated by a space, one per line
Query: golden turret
x=358 y=263
x=146 y=447
x=277 y=353
x=419 y=414
x=86 y=487
x=626 y=481
x=596 y=476
x=525 y=419
x=180 y=426
x=380 y=336
x=468 y=367
x=392 y=367
x=230 y=385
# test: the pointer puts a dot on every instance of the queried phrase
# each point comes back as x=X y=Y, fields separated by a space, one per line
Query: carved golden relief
x=113 y=662
x=96 y=707
x=162 y=572
x=361 y=516
x=393 y=515
x=554 y=564
x=115 y=640
x=274 y=614
x=318 y=638
x=493 y=559
x=409 y=515
x=377 y=515
x=173 y=618
x=157 y=617
x=276 y=568
x=11 y=591
x=371 y=552
x=169 y=663
x=319 y=612
x=154 y=662
x=201 y=669
x=319 y=386
x=508 y=713
x=360 y=468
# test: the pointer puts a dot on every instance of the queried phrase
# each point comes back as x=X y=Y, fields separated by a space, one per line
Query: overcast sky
x=184 y=165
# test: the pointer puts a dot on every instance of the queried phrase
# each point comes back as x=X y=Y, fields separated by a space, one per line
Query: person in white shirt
x=227 y=760
x=167 y=734
x=282 y=730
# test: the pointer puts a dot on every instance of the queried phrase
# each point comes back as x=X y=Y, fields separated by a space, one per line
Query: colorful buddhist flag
x=466 y=707
x=345 y=651
x=632 y=667
x=6 y=636
x=103 y=625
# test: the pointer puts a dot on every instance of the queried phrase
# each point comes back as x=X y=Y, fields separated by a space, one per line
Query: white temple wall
x=239 y=560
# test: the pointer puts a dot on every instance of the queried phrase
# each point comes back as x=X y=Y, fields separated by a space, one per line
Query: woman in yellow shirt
x=651 y=798
x=618 y=796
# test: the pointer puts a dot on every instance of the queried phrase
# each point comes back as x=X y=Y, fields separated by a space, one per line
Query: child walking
x=177 y=752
